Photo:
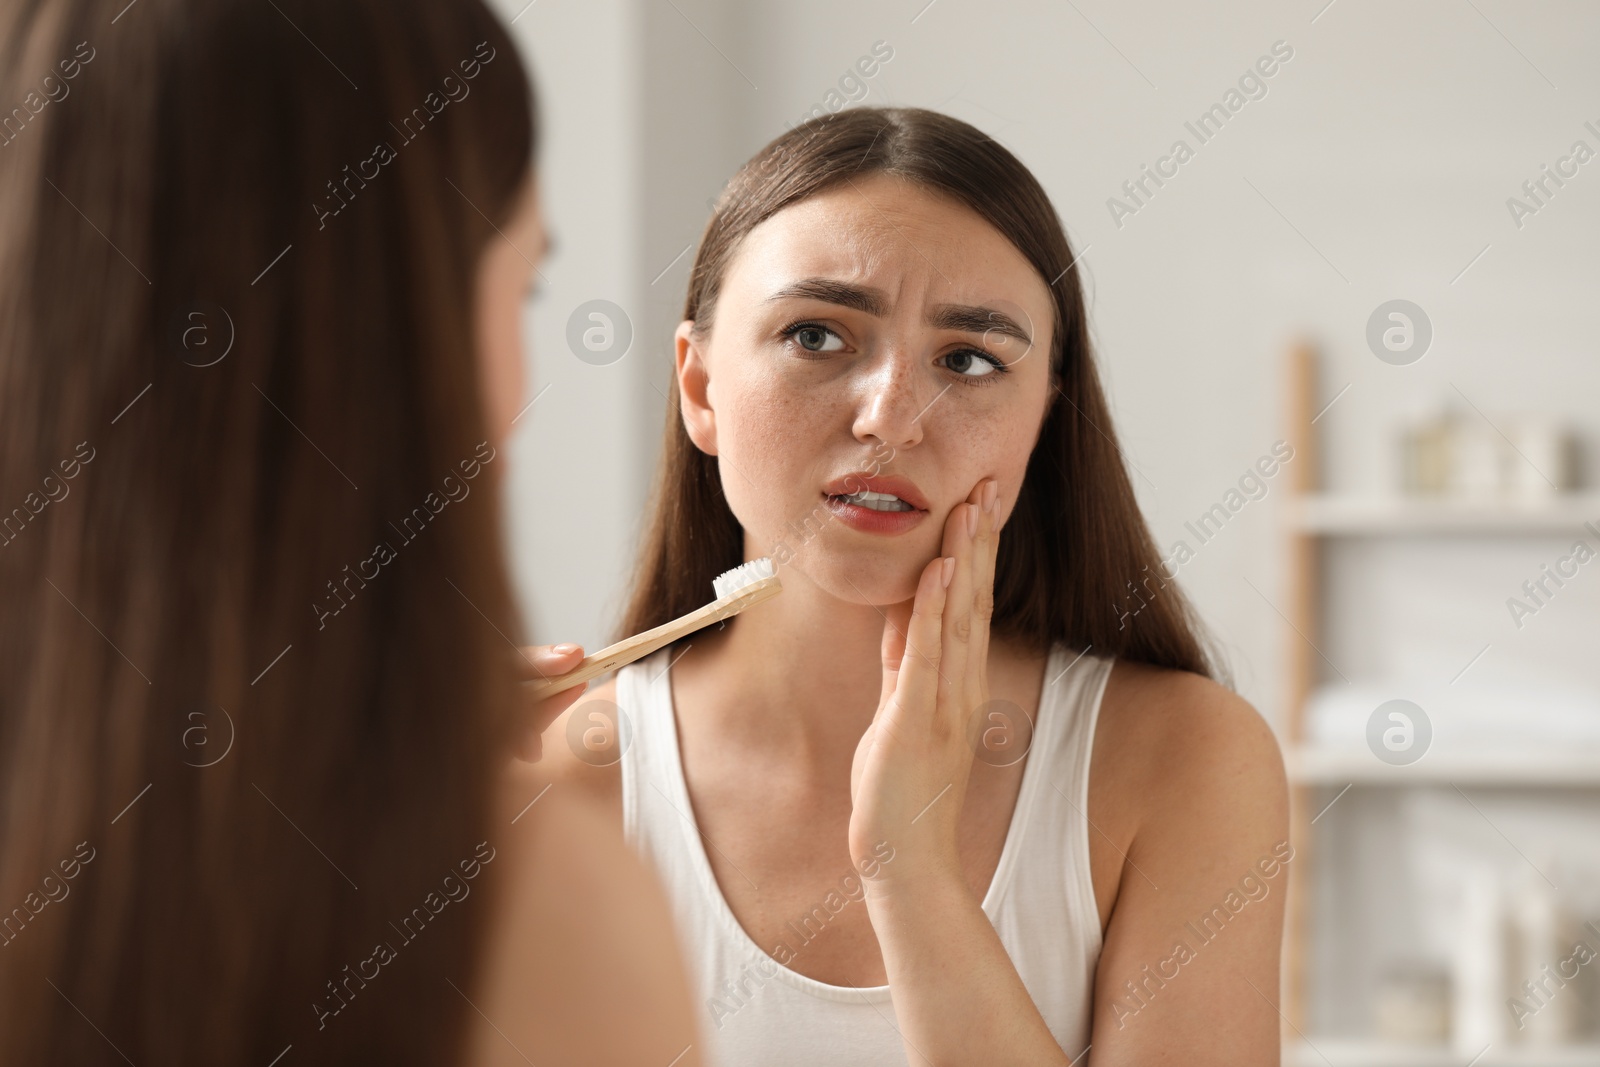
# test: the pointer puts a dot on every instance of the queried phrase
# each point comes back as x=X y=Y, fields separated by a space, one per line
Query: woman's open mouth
x=870 y=512
x=876 y=501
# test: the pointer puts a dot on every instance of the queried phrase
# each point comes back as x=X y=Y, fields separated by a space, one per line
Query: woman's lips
x=868 y=520
x=893 y=484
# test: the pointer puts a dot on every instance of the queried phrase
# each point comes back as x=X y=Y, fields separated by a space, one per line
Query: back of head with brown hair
x=254 y=612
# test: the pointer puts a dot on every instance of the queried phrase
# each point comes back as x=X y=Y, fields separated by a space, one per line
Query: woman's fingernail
x=948 y=571
x=990 y=492
x=566 y=648
x=972 y=520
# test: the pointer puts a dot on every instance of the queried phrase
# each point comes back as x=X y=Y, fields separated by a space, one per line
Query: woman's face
x=505 y=276
x=876 y=336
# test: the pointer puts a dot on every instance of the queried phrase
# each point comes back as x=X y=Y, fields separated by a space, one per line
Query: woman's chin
x=864 y=581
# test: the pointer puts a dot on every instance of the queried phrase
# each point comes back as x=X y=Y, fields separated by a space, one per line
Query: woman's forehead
x=892 y=238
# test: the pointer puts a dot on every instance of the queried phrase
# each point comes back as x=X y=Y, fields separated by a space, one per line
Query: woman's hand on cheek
x=909 y=776
x=545 y=661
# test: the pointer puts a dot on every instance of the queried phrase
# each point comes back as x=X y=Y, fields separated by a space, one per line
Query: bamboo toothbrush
x=745 y=585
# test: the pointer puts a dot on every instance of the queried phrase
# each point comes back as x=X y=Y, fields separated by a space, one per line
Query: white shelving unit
x=1318 y=772
x=1333 y=515
x=1337 y=1053
x=1324 y=766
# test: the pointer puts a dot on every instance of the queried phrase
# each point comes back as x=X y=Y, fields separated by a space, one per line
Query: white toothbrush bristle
x=730 y=582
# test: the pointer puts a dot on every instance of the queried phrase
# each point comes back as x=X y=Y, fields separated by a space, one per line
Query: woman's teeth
x=877 y=501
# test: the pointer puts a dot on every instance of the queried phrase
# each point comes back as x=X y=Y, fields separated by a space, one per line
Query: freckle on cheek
x=773 y=447
x=769 y=422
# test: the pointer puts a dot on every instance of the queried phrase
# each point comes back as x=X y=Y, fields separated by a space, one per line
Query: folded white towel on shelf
x=1479 y=718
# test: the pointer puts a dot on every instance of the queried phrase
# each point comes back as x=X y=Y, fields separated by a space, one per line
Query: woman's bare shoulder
x=1165 y=733
x=1177 y=759
x=1177 y=715
x=582 y=962
x=1188 y=784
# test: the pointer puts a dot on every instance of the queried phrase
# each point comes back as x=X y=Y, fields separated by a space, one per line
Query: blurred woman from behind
x=261 y=272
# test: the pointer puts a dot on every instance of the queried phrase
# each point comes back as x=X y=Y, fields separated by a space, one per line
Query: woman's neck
x=800 y=673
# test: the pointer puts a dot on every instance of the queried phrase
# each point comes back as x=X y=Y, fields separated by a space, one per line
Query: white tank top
x=1041 y=900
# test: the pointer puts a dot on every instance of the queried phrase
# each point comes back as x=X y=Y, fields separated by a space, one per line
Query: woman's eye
x=814 y=338
x=973 y=364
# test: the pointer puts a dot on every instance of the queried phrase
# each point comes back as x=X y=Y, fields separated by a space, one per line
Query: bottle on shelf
x=1542 y=1009
x=1478 y=1016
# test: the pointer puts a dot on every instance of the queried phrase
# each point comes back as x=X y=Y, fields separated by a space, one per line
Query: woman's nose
x=893 y=403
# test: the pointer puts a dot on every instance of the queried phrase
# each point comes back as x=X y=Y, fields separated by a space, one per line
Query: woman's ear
x=694 y=386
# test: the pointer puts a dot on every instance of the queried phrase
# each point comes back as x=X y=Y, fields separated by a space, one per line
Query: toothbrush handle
x=639 y=646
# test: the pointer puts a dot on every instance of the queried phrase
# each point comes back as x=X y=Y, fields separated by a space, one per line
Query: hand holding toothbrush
x=555 y=675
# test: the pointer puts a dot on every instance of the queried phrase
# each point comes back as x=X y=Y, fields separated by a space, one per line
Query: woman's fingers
x=917 y=681
x=893 y=649
x=545 y=661
x=937 y=658
x=971 y=600
x=958 y=544
x=985 y=549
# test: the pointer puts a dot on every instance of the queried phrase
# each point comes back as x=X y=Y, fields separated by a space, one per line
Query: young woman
x=966 y=790
x=258 y=354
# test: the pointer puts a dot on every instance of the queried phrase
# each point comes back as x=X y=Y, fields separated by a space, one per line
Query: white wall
x=576 y=451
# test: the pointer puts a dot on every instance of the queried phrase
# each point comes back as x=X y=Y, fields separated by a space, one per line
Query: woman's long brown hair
x=237 y=355
x=1076 y=563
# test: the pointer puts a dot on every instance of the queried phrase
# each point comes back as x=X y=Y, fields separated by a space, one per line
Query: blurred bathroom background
x=1378 y=254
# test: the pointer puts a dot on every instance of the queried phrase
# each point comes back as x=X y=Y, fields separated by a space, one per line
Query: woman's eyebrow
x=968 y=318
x=860 y=297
